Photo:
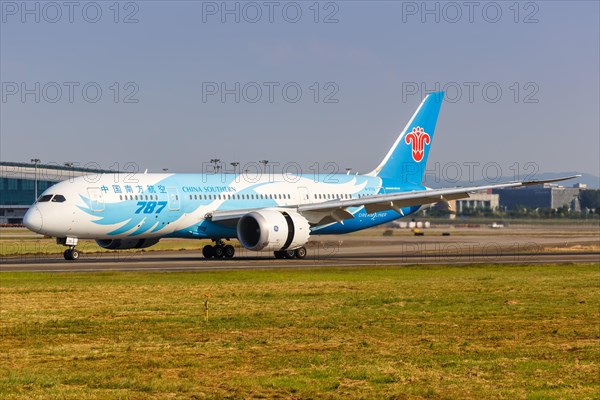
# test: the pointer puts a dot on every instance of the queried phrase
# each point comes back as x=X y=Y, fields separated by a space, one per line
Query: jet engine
x=124 y=244
x=273 y=230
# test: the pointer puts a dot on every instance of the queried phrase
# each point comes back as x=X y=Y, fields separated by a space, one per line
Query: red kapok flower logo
x=419 y=138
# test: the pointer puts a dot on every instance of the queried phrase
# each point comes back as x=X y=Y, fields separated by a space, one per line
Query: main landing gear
x=219 y=250
x=299 y=253
x=222 y=250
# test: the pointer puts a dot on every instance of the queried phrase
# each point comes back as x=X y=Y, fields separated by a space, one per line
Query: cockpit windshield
x=55 y=198
x=45 y=198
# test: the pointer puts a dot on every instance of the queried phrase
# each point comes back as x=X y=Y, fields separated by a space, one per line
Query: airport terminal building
x=18 y=183
x=541 y=196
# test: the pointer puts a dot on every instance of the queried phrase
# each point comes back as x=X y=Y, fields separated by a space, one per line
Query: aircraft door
x=96 y=199
x=303 y=195
x=174 y=202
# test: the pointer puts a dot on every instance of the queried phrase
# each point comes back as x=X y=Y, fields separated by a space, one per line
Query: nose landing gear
x=71 y=253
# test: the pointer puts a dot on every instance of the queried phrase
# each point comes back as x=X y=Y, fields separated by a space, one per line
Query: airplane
x=268 y=212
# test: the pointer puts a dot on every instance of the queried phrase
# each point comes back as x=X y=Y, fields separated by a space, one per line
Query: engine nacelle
x=273 y=230
x=124 y=244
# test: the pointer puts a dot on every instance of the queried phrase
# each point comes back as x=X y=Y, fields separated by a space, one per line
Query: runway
x=513 y=245
x=193 y=261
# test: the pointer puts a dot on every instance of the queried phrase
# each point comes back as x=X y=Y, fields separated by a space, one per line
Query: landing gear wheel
x=289 y=254
x=207 y=251
x=279 y=255
x=71 y=254
x=229 y=251
x=300 y=253
x=218 y=251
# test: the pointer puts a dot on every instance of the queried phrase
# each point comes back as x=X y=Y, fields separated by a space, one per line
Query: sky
x=173 y=84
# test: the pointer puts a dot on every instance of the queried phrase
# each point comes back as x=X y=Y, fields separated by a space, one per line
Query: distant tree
x=590 y=198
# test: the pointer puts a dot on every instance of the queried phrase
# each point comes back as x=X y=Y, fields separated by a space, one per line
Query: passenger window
x=45 y=198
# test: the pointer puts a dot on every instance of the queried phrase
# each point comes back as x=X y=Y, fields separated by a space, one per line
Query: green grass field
x=487 y=331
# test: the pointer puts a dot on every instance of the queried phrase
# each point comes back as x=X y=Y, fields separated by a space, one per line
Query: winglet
x=542 y=181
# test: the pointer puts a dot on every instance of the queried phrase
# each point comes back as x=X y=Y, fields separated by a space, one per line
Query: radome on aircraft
x=271 y=213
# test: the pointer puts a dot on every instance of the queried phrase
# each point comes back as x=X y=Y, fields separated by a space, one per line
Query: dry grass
x=399 y=332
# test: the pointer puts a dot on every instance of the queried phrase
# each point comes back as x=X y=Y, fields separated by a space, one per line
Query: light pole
x=35 y=162
x=215 y=162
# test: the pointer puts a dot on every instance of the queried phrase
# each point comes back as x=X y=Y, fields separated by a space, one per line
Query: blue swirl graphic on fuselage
x=123 y=213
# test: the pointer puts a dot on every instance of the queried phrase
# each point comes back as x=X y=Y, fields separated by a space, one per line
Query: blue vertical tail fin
x=407 y=159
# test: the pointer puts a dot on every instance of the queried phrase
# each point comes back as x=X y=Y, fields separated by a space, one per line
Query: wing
x=337 y=210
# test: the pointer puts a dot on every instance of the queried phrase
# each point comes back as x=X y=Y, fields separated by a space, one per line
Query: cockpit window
x=59 y=198
x=45 y=198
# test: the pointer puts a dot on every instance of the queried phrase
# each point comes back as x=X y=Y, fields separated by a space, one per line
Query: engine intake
x=124 y=244
x=273 y=230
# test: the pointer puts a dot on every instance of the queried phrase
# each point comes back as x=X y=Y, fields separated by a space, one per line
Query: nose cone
x=33 y=219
